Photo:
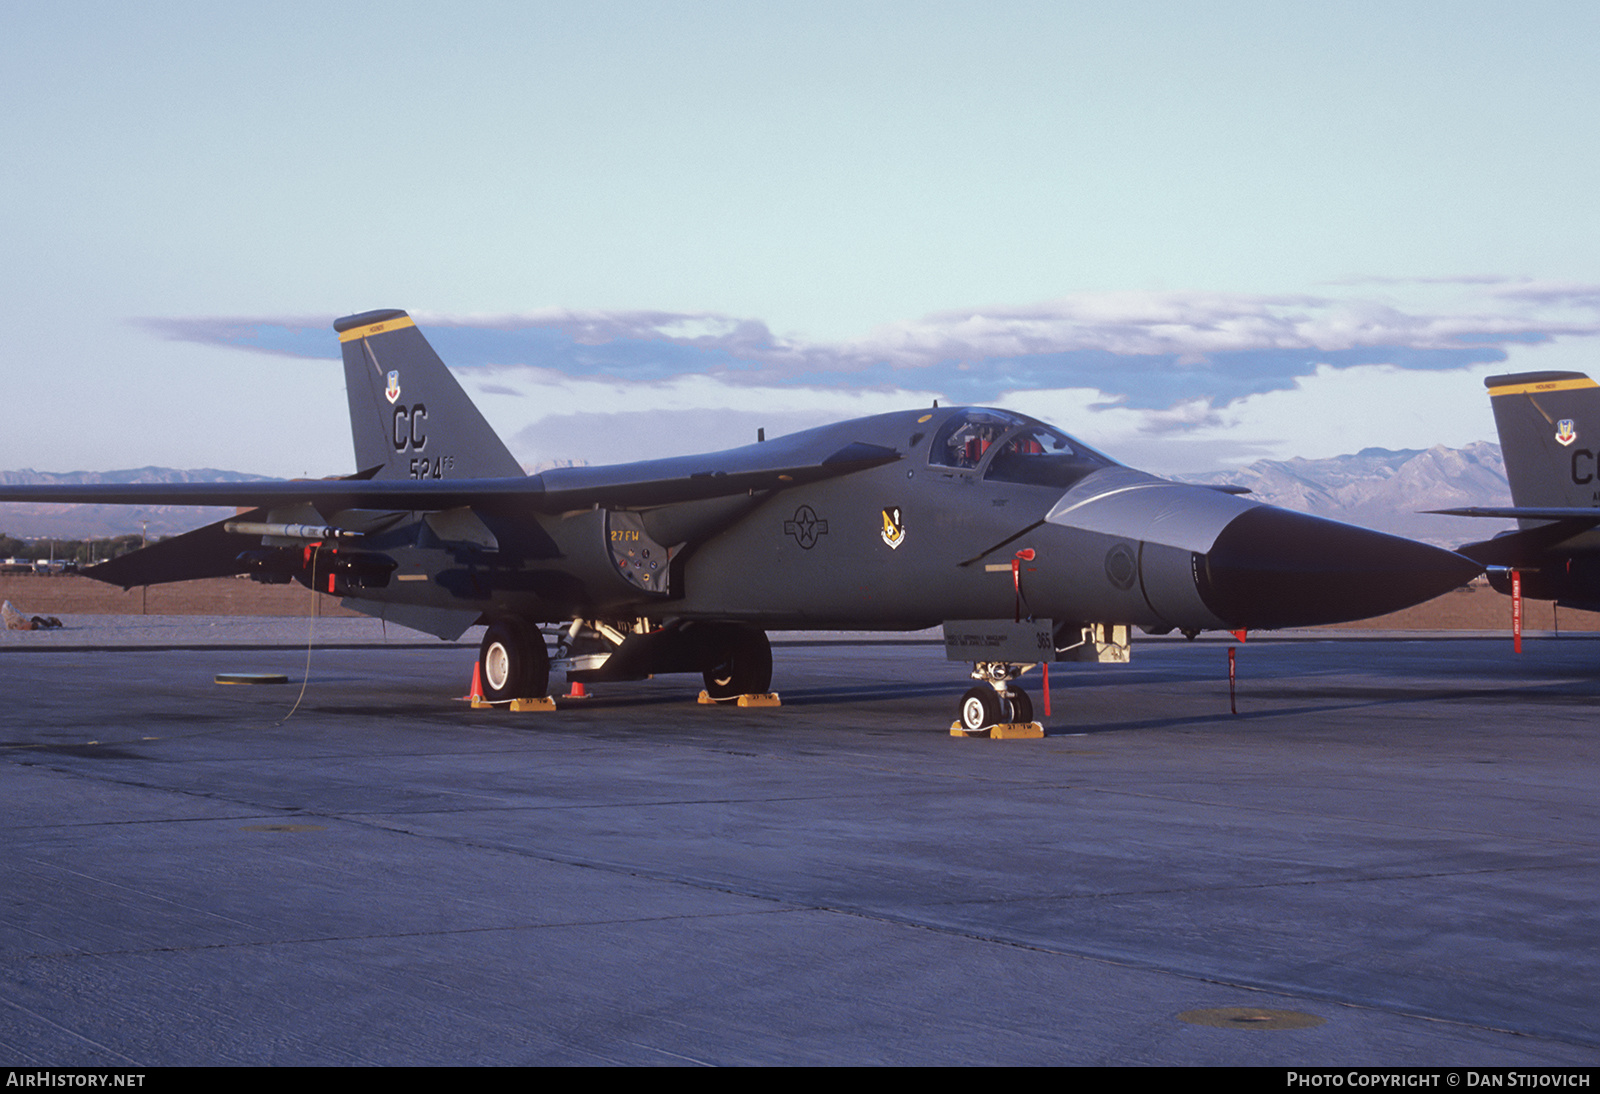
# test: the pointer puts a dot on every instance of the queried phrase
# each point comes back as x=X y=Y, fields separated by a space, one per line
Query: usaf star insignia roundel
x=806 y=527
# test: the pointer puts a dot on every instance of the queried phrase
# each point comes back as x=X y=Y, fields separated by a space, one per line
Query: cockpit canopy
x=1011 y=448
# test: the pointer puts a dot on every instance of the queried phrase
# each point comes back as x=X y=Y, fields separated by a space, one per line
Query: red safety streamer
x=1024 y=555
x=1232 y=703
x=1516 y=611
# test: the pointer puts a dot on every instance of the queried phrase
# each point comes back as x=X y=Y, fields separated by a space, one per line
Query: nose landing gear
x=996 y=708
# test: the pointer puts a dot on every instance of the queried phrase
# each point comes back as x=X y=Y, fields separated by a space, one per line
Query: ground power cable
x=311 y=635
x=311 y=629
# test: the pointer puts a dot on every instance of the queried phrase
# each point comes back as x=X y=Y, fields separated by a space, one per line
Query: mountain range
x=1379 y=488
x=1385 y=489
x=31 y=521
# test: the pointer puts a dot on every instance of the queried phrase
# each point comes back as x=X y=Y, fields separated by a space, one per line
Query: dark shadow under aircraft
x=1549 y=427
x=1028 y=545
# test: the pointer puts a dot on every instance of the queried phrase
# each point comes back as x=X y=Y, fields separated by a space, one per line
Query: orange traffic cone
x=575 y=690
x=476 y=694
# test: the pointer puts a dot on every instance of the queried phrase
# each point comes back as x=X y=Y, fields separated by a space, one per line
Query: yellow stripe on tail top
x=398 y=323
x=1538 y=388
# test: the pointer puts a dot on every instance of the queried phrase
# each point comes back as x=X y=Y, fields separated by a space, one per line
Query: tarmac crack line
x=1302 y=815
x=1188 y=889
x=1279 y=990
x=68 y=1031
x=1286 y=991
x=805 y=907
x=313 y=940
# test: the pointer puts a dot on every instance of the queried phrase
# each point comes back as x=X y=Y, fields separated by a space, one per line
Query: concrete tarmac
x=1398 y=840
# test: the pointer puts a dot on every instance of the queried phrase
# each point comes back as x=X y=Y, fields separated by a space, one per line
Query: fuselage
x=928 y=537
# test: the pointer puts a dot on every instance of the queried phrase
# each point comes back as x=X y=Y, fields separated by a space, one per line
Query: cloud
x=545 y=416
x=290 y=336
x=1187 y=329
x=1134 y=364
x=1571 y=294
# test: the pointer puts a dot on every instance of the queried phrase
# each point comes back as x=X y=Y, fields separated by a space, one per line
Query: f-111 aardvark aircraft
x=1027 y=544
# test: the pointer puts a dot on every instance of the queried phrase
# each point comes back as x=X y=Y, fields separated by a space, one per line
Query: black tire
x=513 y=663
x=1021 y=706
x=980 y=708
x=740 y=662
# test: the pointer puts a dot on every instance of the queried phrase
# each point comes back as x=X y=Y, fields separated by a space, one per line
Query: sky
x=1195 y=235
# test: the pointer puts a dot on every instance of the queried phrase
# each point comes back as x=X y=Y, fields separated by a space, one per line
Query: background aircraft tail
x=1549 y=425
x=409 y=417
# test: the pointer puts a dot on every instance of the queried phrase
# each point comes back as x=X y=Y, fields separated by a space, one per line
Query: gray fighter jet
x=1027 y=544
x=1549 y=426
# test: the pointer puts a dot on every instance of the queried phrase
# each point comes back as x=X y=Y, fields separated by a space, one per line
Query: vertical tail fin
x=409 y=417
x=1549 y=425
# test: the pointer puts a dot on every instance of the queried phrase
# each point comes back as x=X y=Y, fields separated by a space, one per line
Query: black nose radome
x=1273 y=568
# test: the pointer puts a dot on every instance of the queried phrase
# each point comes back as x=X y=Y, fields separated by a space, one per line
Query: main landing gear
x=995 y=706
x=513 y=663
x=738 y=661
x=733 y=659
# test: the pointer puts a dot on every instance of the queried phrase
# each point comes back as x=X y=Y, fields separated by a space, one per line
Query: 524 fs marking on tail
x=974 y=518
